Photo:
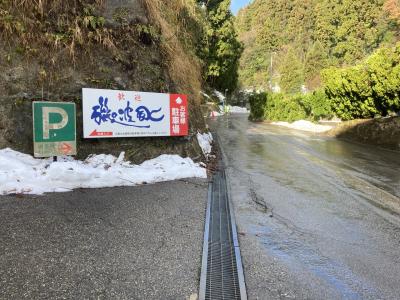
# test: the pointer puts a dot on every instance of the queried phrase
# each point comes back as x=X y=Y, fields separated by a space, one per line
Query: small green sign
x=54 y=129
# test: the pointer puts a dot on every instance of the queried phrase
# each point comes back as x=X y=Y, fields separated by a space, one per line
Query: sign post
x=113 y=114
x=54 y=128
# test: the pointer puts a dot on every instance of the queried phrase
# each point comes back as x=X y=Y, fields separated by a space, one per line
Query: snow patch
x=205 y=95
x=205 y=140
x=229 y=109
x=238 y=110
x=219 y=95
x=304 y=126
x=21 y=173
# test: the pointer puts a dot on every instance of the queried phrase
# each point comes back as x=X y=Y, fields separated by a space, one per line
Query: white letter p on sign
x=46 y=120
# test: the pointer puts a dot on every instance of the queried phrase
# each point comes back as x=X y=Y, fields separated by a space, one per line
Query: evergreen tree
x=393 y=9
x=351 y=29
x=223 y=50
x=316 y=60
x=292 y=73
x=270 y=38
x=347 y=31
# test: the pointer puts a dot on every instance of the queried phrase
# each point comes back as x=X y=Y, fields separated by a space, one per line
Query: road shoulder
x=141 y=242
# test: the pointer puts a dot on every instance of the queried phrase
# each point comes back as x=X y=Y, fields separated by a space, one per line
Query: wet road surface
x=318 y=218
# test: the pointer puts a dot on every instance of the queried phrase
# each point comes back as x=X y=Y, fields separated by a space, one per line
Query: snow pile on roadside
x=219 y=95
x=233 y=109
x=304 y=126
x=205 y=140
x=229 y=109
x=238 y=110
x=21 y=173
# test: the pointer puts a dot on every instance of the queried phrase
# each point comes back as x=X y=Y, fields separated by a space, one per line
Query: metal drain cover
x=222 y=272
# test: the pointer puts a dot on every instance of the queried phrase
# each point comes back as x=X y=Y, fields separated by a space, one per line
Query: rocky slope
x=50 y=50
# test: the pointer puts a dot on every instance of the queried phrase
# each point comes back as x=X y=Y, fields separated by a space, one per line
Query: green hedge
x=369 y=89
x=317 y=105
x=285 y=108
x=258 y=106
x=281 y=107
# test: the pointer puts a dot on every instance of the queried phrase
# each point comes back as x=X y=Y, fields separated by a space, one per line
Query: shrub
x=317 y=105
x=258 y=106
x=368 y=89
x=350 y=93
x=285 y=108
x=290 y=108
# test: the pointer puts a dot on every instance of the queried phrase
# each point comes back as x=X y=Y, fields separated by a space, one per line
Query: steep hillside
x=52 y=49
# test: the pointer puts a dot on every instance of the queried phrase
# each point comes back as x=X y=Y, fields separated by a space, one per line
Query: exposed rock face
x=121 y=60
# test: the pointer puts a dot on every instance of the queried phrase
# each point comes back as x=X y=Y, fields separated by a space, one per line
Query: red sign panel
x=179 y=116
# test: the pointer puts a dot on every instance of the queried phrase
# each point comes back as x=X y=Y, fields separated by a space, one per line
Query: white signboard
x=113 y=114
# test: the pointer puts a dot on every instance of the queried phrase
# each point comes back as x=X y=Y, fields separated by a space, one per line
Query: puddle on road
x=302 y=259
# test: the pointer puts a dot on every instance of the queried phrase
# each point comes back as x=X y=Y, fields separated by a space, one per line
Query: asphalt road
x=317 y=217
x=141 y=242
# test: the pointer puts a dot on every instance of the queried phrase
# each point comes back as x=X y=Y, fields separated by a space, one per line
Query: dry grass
x=72 y=25
x=53 y=23
x=45 y=8
x=185 y=68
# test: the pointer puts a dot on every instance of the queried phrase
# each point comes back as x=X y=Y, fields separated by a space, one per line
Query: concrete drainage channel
x=222 y=271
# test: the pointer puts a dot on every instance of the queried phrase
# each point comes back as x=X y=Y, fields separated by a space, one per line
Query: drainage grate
x=222 y=273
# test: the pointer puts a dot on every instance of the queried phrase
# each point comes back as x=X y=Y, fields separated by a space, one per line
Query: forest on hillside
x=288 y=42
x=317 y=59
